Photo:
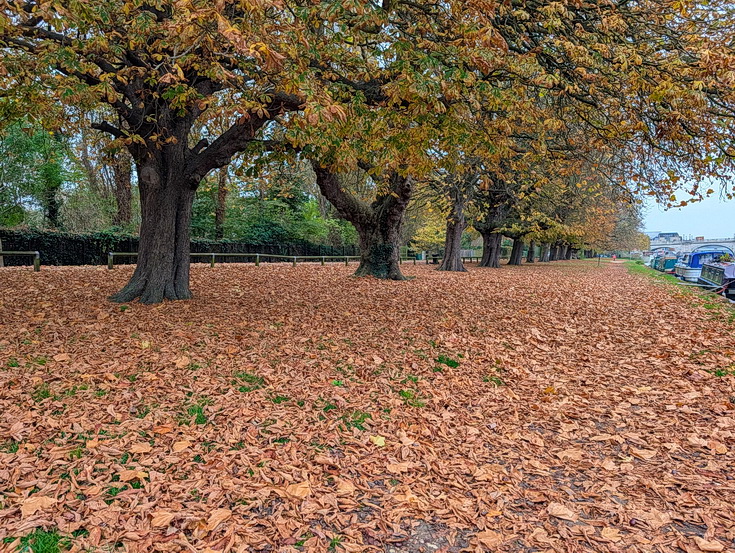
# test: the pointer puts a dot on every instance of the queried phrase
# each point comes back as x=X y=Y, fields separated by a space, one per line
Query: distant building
x=667 y=237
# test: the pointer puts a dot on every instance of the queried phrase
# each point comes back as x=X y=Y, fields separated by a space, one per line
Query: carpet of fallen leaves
x=555 y=407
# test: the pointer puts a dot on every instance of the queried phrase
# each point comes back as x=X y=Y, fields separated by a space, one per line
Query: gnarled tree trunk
x=378 y=224
x=531 y=252
x=569 y=252
x=545 y=255
x=166 y=198
x=456 y=223
x=516 y=252
x=491 y=242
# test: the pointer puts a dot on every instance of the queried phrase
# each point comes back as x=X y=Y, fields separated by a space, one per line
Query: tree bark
x=456 y=224
x=545 y=255
x=2 y=261
x=378 y=224
x=166 y=198
x=491 y=242
x=569 y=252
x=219 y=210
x=516 y=252
x=122 y=172
x=531 y=252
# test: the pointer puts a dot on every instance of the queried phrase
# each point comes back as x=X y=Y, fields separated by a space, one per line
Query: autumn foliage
x=324 y=413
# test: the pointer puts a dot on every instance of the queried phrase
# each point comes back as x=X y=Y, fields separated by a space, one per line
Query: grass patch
x=41 y=392
x=412 y=398
x=44 y=541
x=448 y=361
x=356 y=419
x=248 y=382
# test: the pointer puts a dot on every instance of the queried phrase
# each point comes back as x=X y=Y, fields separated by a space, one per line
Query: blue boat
x=689 y=267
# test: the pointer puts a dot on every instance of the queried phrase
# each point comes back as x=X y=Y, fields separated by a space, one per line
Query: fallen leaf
x=490 y=539
x=217 y=517
x=141 y=447
x=36 y=503
x=162 y=518
x=128 y=475
x=300 y=490
x=611 y=534
x=182 y=362
x=378 y=440
x=180 y=446
x=62 y=357
x=345 y=487
x=560 y=511
x=708 y=545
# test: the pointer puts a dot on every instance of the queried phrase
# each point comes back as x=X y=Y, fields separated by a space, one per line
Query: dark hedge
x=59 y=248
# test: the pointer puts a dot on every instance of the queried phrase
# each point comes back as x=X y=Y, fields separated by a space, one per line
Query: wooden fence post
x=110 y=260
x=37 y=262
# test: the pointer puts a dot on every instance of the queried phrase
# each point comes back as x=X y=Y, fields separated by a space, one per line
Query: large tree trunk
x=456 y=223
x=378 y=224
x=166 y=198
x=516 y=252
x=545 y=255
x=122 y=172
x=491 y=242
x=569 y=253
x=219 y=210
x=531 y=252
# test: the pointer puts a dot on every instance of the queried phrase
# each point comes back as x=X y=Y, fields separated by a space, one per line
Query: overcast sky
x=711 y=218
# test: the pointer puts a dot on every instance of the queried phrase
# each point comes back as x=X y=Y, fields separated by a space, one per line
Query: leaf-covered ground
x=556 y=407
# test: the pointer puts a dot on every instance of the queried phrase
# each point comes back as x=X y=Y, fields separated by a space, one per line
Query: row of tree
x=539 y=120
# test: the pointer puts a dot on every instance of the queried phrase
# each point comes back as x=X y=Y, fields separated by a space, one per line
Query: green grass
x=411 y=398
x=279 y=399
x=640 y=269
x=494 y=379
x=41 y=392
x=248 y=382
x=44 y=541
x=193 y=412
x=448 y=361
x=10 y=446
x=356 y=419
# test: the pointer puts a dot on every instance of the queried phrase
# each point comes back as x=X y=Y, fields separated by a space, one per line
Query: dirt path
x=555 y=407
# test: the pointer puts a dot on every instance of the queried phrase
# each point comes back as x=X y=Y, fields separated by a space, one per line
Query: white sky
x=711 y=218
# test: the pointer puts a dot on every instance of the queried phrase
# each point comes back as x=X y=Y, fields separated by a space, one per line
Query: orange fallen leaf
x=300 y=490
x=62 y=357
x=162 y=518
x=180 y=446
x=490 y=539
x=708 y=545
x=36 y=503
x=163 y=429
x=560 y=511
x=217 y=517
x=142 y=447
x=128 y=475
x=611 y=534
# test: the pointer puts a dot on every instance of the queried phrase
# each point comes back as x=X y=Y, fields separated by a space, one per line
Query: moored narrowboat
x=720 y=276
x=689 y=267
x=665 y=263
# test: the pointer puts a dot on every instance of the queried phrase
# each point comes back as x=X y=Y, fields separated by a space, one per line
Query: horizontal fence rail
x=35 y=255
x=257 y=256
